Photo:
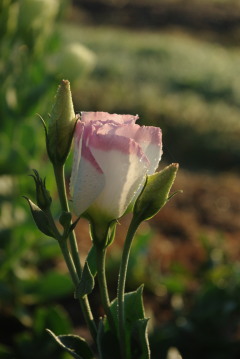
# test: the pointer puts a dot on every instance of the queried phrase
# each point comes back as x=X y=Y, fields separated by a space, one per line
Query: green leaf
x=92 y=260
x=136 y=323
x=134 y=309
x=139 y=340
x=40 y=218
x=86 y=284
x=74 y=345
x=155 y=193
x=54 y=317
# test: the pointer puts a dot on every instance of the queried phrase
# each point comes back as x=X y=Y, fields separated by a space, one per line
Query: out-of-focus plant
x=212 y=307
x=32 y=56
x=29 y=39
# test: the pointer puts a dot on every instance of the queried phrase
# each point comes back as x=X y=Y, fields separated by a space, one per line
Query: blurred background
x=176 y=63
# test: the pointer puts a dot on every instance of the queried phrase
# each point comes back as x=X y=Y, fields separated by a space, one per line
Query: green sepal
x=76 y=346
x=111 y=233
x=86 y=284
x=155 y=193
x=102 y=233
x=40 y=218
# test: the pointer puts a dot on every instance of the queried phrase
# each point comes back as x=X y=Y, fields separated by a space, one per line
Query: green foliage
x=135 y=329
x=135 y=324
x=86 y=283
x=31 y=60
x=74 y=345
x=208 y=317
x=92 y=261
x=32 y=337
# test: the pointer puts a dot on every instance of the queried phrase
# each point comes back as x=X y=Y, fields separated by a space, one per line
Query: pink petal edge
x=109 y=142
x=83 y=133
x=105 y=117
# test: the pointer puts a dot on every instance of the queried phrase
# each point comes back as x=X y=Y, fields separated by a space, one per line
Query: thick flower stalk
x=112 y=156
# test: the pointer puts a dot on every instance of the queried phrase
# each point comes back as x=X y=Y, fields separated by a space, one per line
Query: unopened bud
x=61 y=125
x=41 y=219
x=155 y=193
x=43 y=197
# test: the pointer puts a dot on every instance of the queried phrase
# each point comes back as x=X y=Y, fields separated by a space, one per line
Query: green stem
x=69 y=262
x=121 y=287
x=75 y=279
x=101 y=273
x=60 y=180
x=73 y=262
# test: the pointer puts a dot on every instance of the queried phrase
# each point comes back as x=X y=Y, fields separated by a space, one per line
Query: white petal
x=148 y=137
x=78 y=137
x=89 y=183
x=124 y=166
x=87 y=179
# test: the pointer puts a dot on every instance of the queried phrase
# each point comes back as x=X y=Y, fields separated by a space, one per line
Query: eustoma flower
x=112 y=156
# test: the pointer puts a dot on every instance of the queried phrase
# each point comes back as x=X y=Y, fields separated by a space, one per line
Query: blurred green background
x=176 y=64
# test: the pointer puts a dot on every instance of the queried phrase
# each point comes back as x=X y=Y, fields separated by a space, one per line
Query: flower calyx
x=102 y=233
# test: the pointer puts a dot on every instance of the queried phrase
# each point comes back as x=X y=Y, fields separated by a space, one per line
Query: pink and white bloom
x=112 y=156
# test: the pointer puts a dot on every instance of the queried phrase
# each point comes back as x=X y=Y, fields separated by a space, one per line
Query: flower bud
x=41 y=219
x=43 y=197
x=61 y=125
x=155 y=193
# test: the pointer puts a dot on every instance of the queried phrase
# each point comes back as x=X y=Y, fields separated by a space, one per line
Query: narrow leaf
x=40 y=218
x=155 y=193
x=92 y=261
x=86 y=283
x=74 y=345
